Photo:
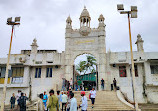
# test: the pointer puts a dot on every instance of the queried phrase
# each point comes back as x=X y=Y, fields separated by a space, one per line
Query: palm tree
x=81 y=66
x=91 y=61
x=87 y=65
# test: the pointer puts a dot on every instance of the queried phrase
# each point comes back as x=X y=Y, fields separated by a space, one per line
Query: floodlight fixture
x=17 y=19
x=133 y=8
x=9 y=20
x=134 y=11
x=120 y=7
x=16 y=22
x=133 y=14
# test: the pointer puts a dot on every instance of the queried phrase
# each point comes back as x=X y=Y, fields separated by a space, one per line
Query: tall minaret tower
x=68 y=31
x=101 y=35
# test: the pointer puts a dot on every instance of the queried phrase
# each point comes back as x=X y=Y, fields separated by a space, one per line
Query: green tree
x=90 y=63
x=81 y=66
x=87 y=65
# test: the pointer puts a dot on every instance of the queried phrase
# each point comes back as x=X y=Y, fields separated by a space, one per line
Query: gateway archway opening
x=85 y=72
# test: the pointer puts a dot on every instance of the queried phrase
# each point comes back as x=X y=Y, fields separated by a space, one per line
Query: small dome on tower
x=101 y=17
x=85 y=18
x=101 y=22
x=34 y=43
x=68 y=22
x=68 y=19
x=85 y=13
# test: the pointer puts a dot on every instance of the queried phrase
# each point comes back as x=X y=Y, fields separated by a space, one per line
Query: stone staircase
x=105 y=101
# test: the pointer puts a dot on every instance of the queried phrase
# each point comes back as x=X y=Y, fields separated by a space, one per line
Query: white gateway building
x=34 y=71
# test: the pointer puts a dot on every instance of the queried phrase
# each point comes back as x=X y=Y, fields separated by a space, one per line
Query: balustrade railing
x=17 y=80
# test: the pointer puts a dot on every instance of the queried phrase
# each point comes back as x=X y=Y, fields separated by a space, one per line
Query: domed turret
x=84 y=13
x=101 y=18
x=68 y=22
x=101 y=22
x=85 y=18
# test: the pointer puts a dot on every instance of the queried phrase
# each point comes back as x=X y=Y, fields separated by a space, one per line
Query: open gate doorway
x=85 y=73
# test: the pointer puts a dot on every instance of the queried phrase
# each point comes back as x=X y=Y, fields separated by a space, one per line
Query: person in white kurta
x=84 y=104
x=64 y=100
x=73 y=104
x=17 y=98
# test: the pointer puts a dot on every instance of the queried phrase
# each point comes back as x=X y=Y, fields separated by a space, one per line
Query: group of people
x=64 y=101
x=67 y=85
x=21 y=101
x=113 y=86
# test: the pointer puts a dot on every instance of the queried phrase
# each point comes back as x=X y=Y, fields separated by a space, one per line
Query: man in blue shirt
x=45 y=98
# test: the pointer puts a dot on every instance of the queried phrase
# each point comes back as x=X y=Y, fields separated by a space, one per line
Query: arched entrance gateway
x=85 y=40
x=85 y=71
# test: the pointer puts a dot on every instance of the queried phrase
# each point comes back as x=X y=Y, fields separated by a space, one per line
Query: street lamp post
x=12 y=23
x=133 y=14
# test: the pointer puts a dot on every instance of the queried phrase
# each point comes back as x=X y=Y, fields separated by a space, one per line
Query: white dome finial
x=85 y=13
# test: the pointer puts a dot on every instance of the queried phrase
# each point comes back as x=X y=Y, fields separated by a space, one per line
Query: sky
x=45 y=20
